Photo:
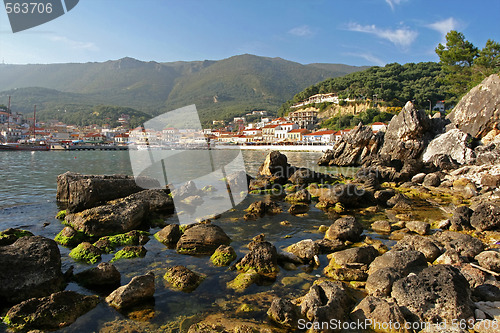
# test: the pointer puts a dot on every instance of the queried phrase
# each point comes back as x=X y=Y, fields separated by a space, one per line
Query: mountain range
x=220 y=89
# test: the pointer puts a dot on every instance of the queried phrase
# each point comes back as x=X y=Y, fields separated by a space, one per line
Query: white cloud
x=368 y=57
x=402 y=37
x=444 y=26
x=77 y=45
x=301 y=31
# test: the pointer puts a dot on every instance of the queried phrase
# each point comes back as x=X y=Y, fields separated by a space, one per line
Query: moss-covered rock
x=9 y=236
x=109 y=243
x=169 y=235
x=223 y=256
x=69 y=237
x=61 y=215
x=129 y=252
x=244 y=280
x=51 y=312
x=183 y=278
x=86 y=252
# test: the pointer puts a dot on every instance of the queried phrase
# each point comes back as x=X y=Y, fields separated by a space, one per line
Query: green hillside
x=220 y=89
x=394 y=84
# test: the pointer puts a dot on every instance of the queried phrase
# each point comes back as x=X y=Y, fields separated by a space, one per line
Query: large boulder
x=486 y=216
x=437 y=294
x=202 y=239
x=283 y=312
x=345 y=194
x=275 y=164
x=418 y=243
x=454 y=143
x=355 y=148
x=81 y=192
x=326 y=301
x=121 y=215
x=183 y=278
x=31 y=267
x=381 y=314
x=478 y=112
x=263 y=258
x=140 y=288
x=50 y=313
x=380 y=282
x=407 y=134
x=465 y=245
x=402 y=261
x=345 y=228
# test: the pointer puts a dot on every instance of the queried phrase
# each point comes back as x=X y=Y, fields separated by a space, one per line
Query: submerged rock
x=110 y=243
x=129 y=252
x=140 y=288
x=202 y=239
x=9 y=236
x=31 y=267
x=244 y=280
x=437 y=294
x=297 y=209
x=183 y=278
x=50 y=313
x=105 y=274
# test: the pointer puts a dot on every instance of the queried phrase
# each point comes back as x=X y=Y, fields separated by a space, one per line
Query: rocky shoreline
x=418 y=275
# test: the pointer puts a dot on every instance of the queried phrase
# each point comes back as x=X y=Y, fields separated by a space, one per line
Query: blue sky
x=355 y=32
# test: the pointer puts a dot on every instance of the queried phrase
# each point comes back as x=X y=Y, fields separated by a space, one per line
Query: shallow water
x=27 y=200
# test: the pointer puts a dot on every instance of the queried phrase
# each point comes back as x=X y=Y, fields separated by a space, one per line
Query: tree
x=457 y=58
x=488 y=60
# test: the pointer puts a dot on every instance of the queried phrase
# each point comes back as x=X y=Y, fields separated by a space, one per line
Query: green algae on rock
x=61 y=215
x=10 y=235
x=183 y=278
x=86 y=252
x=69 y=237
x=109 y=243
x=223 y=256
x=129 y=252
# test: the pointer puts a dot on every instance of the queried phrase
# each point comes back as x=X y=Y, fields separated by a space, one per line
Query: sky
x=353 y=32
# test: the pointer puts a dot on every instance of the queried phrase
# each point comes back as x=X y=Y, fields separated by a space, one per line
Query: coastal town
x=299 y=127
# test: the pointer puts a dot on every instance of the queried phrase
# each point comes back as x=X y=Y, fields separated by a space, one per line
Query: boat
x=12 y=146
x=31 y=145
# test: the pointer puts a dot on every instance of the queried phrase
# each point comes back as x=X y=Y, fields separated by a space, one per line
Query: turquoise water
x=27 y=200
